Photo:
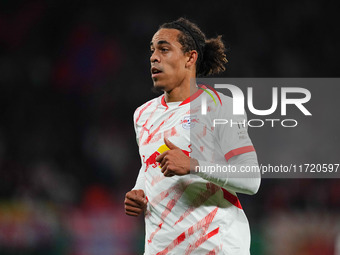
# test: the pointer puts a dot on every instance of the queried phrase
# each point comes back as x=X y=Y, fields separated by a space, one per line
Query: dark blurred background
x=73 y=72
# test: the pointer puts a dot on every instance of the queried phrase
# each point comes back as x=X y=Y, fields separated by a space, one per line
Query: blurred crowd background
x=73 y=72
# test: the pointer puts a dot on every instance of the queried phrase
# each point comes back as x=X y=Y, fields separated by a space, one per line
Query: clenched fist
x=135 y=202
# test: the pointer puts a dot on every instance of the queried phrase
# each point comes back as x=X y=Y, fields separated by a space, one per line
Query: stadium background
x=73 y=72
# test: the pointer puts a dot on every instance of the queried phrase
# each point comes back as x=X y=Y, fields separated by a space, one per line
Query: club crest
x=189 y=121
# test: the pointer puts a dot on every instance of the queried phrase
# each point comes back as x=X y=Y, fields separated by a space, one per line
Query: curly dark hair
x=211 y=52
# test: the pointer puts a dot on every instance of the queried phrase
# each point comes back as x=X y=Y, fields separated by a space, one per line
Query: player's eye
x=152 y=51
x=164 y=49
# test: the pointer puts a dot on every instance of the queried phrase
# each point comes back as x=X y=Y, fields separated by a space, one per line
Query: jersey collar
x=189 y=99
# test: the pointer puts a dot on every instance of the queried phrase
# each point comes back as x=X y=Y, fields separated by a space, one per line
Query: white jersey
x=188 y=214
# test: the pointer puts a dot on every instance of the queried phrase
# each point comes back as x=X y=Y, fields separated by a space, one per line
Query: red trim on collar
x=189 y=99
x=163 y=102
x=193 y=96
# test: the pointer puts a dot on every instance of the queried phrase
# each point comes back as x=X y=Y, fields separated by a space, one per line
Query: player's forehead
x=168 y=35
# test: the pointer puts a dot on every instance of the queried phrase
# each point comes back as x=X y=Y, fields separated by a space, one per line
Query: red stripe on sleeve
x=239 y=151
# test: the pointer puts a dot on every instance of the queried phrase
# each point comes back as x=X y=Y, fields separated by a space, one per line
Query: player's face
x=168 y=62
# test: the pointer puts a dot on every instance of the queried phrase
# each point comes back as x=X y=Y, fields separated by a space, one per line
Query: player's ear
x=191 y=58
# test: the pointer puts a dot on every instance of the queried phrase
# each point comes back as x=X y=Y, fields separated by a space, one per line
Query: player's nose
x=154 y=57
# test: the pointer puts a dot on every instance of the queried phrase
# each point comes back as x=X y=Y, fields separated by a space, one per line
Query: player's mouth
x=155 y=72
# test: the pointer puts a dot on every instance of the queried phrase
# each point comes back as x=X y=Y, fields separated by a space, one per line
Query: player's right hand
x=135 y=202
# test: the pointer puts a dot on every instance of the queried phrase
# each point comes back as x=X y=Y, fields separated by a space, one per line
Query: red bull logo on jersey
x=151 y=160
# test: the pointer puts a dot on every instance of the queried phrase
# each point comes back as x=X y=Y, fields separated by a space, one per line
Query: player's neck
x=180 y=93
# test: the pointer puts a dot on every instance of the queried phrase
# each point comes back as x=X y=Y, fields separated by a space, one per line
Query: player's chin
x=157 y=86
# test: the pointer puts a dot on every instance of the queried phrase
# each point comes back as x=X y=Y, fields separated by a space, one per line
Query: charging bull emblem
x=151 y=160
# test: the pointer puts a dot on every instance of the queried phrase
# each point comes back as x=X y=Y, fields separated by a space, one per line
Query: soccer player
x=188 y=211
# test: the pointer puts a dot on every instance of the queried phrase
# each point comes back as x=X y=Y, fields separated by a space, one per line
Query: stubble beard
x=157 y=89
